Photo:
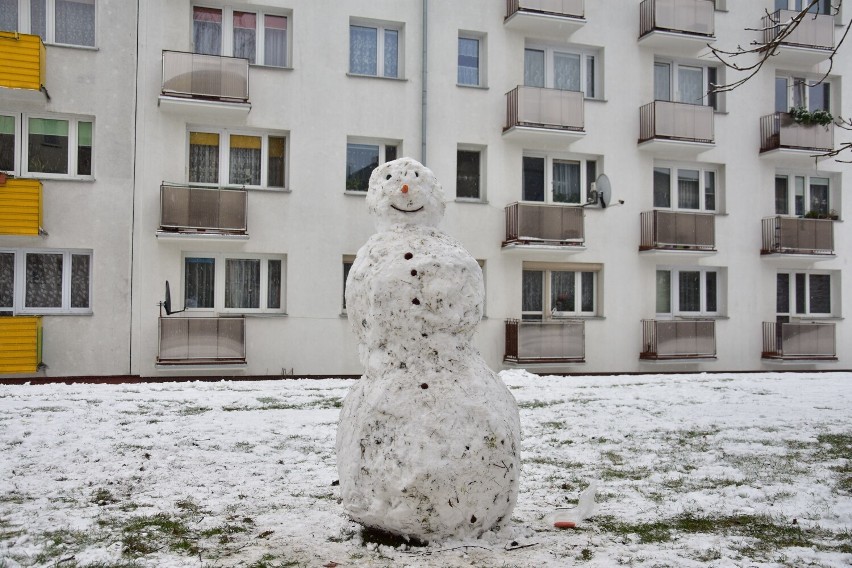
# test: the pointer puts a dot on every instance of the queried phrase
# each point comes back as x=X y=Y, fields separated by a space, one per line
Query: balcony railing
x=676 y=121
x=815 y=31
x=205 y=76
x=22 y=61
x=20 y=344
x=678 y=230
x=202 y=340
x=779 y=130
x=21 y=207
x=678 y=339
x=545 y=342
x=799 y=341
x=566 y=8
x=793 y=235
x=201 y=209
x=558 y=225
x=544 y=108
x=680 y=16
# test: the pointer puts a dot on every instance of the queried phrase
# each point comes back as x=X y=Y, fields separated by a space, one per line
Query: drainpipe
x=424 y=74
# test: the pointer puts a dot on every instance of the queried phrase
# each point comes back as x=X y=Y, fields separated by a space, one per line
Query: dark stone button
x=408 y=256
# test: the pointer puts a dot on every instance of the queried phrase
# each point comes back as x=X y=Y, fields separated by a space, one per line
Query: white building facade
x=722 y=245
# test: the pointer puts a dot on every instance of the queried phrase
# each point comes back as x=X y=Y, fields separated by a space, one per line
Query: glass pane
x=591 y=174
x=275 y=41
x=242 y=283
x=710 y=191
x=8 y=16
x=712 y=96
x=799 y=89
x=782 y=293
x=245 y=161
x=662 y=82
x=390 y=153
x=818 y=97
x=75 y=22
x=207 y=30
x=347 y=266
x=800 y=196
x=7 y=143
x=532 y=286
x=562 y=291
x=587 y=292
x=711 y=291
x=566 y=71
x=468 y=72
x=664 y=292
x=363 y=43
x=7 y=280
x=199 y=276
x=80 y=271
x=203 y=157
x=361 y=160
x=533 y=68
x=688 y=194
x=48 y=146
x=819 y=196
x=820 y=293
x=84 y=148
x=662 y=187
x=689 y=291
x=690 y=85
x=467 y=174
x=38 y=18
x=781 y=104
x=43 y=280
x=590 y=76
x=533 y=179
x=566 y=182
x=782 y=196
x=273 y=291
x=800 y=293
x=391 y=53
x=245 y=35
x=275 y=167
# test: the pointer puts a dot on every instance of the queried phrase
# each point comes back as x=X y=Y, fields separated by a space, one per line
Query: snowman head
x=405 y=192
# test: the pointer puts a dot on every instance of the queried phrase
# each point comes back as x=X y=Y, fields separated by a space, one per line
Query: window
x=566 y=69
x=685 y=83
x=559 y=291
x=348 y=260
x=469 y=176
x=55 y=146
x=821 y=7
x=231 y=283
x=804 y=294
x=553 y=179
x=257 y=36
x=42 y=281
x=803 y=195
x=69 y=22
x=375 y=50
x=793 y=92
x=8 y=147
x=362 y=157
x=224 y=157
x=688 y=291
x=471 y=70
x=685 y=187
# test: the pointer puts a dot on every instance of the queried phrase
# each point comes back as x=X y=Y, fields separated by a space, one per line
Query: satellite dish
x=167 y=303
x=603 y=189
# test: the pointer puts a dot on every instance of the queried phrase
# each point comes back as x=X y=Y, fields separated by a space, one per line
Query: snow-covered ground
x=692 y=470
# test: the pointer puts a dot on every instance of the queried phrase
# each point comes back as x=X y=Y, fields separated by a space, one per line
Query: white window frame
x=18 y=142
x=382 y=143
x=481 y=61
x=703 y=169
x=219 y=260
x=227 y=48
x=793 y=81
x=481 y=150
x=380 y=27
x=19 y=282
x=348 y=259
x=833 y=193
x=674 y=82
x=674 y=292
x=548 y=311
x=225 y=156
x=834 y=291
x=549 y=158
x=22 y=149
x=585 y=56
x=25 y=22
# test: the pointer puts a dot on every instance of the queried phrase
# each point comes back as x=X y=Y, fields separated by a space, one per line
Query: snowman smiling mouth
x=407 y=210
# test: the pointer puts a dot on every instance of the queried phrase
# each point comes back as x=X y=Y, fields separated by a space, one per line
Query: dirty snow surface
x=692 y=470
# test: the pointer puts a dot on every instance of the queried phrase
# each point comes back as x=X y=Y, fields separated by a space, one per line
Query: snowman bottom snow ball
x=428 y=443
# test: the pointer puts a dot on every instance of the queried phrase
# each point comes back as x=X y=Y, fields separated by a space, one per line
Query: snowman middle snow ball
x=428 y=443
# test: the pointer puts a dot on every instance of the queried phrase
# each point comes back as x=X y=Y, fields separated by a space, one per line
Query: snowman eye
x=417 y=174
x=388 y=176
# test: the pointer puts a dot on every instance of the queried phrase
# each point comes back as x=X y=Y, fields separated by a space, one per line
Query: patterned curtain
x=207 y=30
x=7 y=280
x=43 y=280
x=363 y=43
x=9 y=15
x=80 y=270
x=242 y=283
x=203 y=157
x=391 y=53
x=468 y=73
x=690 y=85
x=688 y=196
x=275 y=41
x=245 y=164
x=38 y=18
x=566 y=182
x=563 y=295
x=531 y=291
x=245 y=35
x=566 y=71
x=75 y=22
x=199 y=274
x=533 y=68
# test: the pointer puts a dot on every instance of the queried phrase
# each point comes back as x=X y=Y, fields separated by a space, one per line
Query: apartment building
x=625 y=221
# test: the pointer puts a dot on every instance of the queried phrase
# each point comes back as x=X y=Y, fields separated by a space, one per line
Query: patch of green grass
x=538 y=403
x=103 y=496
x=14 y=498
x=193 y=410
x=547 y=460
x=268 y=561
x=147 y=534
x=556 y=425
x=627 y=473
x=58 y=543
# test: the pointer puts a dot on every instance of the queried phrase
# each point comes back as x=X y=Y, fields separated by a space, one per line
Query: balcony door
x=549 y=179
x=684 y=83
x=557 y=69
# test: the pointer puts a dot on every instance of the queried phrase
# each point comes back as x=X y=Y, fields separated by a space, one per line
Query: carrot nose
x=404 y=188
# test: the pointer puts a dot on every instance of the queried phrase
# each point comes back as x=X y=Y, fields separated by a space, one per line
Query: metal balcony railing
x=676 y=121
x=202 y=340
x=545 y=341
x=794 y=235
x=815 y=31
x=779 y=130
x=678 y=339
x=530 y=223
x=799 y=340
x=681 y=16
x=205 y=76
x=193 y=209
x=567 y=8
x=544 y=108
x=677 y=230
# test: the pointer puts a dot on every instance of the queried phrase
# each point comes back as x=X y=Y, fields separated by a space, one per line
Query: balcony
x=202 y=211
x=21 y=208
x=22 y=62
x=533 y=225
x=20 y=344
x=545 y=18
x=676 y=128
x=797 y=236
x=202 y=341
x=799 y=341
x=810 y=43
x=789 y=140
x=541 y=118
x=193 y=82
x=678 y=339
x=529 y=342
x=677 y=231
x=677 y=26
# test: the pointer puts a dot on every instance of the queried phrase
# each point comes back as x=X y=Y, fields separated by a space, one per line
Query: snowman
x=428 y=443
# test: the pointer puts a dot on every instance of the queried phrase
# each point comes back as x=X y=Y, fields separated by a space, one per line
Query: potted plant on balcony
x=805 y=117
x=814 y=214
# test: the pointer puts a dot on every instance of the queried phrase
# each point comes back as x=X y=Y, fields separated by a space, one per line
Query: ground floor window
x=689 y=291
x=362 y=157
x=233 y=283
x=469 y=173
x=45 y=281
x=559 y=291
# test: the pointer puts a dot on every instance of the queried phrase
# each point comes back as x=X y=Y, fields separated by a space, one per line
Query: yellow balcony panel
x=21 y=207
x=22 y=61
x=20 y=344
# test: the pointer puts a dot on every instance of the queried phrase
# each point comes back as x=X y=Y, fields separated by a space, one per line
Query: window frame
x=833 y=290
x=549 y=159
x=714 y=100
x=481 y=58
x=807 y=83
x=674 y=292
x=226 y=49
x=792 y=177
x=19 y=282
x=383 y=145
x=220 y=284
x=548 y=311
x=381 y=28
x=586 y=55
x=17 y=142
x=25 y=23
x=224 y=173
x=21 y=145
x=703 y=169
x=480 y=151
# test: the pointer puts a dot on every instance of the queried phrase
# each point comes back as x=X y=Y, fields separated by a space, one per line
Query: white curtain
x=43 y=281
x=203 y=163
x=664 y=292
x=690 y=85
x=207 y=31
x=80 y=271
x=662 y=82
x=245 y=35
x=199 y=274
x=7 y=279
x=75 y=22
x=9 y=15
x=275 y=41
x=38 y=18
x=531 y=288
x=566 y=182
x=562 y=291
x=242 y=283
x=688 y=196
x=245 y=166
x=468 y=73
x=566 y=72
x=533 y=68
x=391 y=53
x=363 y=43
